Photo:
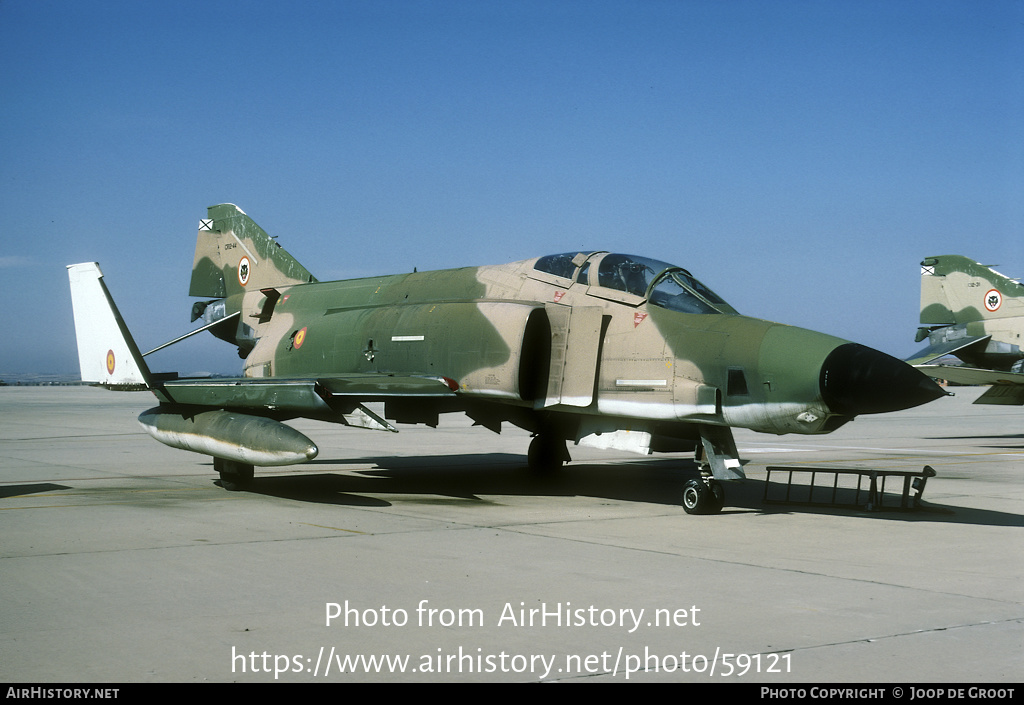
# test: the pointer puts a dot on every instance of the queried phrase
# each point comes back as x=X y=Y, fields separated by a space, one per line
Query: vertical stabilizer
x=236 y=264
x=955 y=289
x=234 y=256
x=971 y=311
x=106 y=352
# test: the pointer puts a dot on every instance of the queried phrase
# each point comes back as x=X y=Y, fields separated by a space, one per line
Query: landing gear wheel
x=546 y=454
x=234 y=476
x=701 y=498
x=695 y=497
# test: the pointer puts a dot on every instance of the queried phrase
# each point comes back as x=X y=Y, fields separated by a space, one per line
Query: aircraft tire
x=716 y=496
x=546 y=454
x=699 y=498
x=234 y=476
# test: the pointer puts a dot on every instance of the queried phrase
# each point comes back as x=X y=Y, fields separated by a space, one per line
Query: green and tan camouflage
x=583 y=347
x=972 y=312
x=235 y=258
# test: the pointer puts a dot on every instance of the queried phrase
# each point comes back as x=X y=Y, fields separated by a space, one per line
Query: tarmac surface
x=434 y=555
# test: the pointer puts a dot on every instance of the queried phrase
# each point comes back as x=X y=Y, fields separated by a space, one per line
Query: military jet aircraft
x=598 y=348
x=976 y=314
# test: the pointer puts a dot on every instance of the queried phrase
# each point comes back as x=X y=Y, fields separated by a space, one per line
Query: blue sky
x=801 y=157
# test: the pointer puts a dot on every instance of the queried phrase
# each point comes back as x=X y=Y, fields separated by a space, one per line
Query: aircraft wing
x=1007 y=387
x=299 y=395
x=934 y=352
x=333 y=395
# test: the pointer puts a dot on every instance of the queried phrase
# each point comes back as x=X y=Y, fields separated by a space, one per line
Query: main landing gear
x=234 y=476
x=547 y=453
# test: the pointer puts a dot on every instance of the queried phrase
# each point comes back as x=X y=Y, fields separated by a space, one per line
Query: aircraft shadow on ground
x=34 y=488
x=458 y=479
x=976 y=436
x=1009 y=438
x=473 y=478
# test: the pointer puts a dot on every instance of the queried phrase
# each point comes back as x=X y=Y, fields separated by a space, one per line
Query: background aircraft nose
x=856 y=379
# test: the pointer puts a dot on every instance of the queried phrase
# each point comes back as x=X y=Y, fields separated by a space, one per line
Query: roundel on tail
x=993 y=300
x=244 y=269
x=110 y=362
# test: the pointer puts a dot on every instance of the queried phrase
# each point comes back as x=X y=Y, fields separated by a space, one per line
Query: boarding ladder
x=842 y=492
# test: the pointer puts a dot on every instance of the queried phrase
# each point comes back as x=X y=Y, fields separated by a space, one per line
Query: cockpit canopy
x=660 y=283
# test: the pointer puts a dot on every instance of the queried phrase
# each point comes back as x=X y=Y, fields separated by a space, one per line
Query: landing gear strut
x=234 y=476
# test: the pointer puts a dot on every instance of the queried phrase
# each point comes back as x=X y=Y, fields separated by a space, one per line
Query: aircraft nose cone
x=856 y=379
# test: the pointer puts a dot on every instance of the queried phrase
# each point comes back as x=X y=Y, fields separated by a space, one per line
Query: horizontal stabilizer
x=1003 y=395
x=1007 y=387
x=971 y=375
x=934 y=352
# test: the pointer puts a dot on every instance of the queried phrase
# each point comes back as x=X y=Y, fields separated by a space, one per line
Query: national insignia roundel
x=244 y=269
x=110 y=362
x=993 y=300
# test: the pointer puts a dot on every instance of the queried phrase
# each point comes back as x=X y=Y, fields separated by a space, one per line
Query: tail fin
x=234 y=256
x=236 y=262
x=106 y=352
x=956 y=289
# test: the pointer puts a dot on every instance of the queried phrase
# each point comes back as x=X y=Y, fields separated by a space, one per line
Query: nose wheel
x=703 y=496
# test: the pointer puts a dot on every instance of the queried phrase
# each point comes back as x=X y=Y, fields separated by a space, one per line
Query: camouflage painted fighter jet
x=594 y=348
x=976 y=314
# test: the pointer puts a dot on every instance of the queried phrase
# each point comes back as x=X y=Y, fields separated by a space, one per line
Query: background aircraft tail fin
x=107 y=354
x=956 y=289
x=234 y=255
x=236 y=261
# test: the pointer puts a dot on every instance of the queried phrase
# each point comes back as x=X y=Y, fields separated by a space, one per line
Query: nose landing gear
x=703 y=496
